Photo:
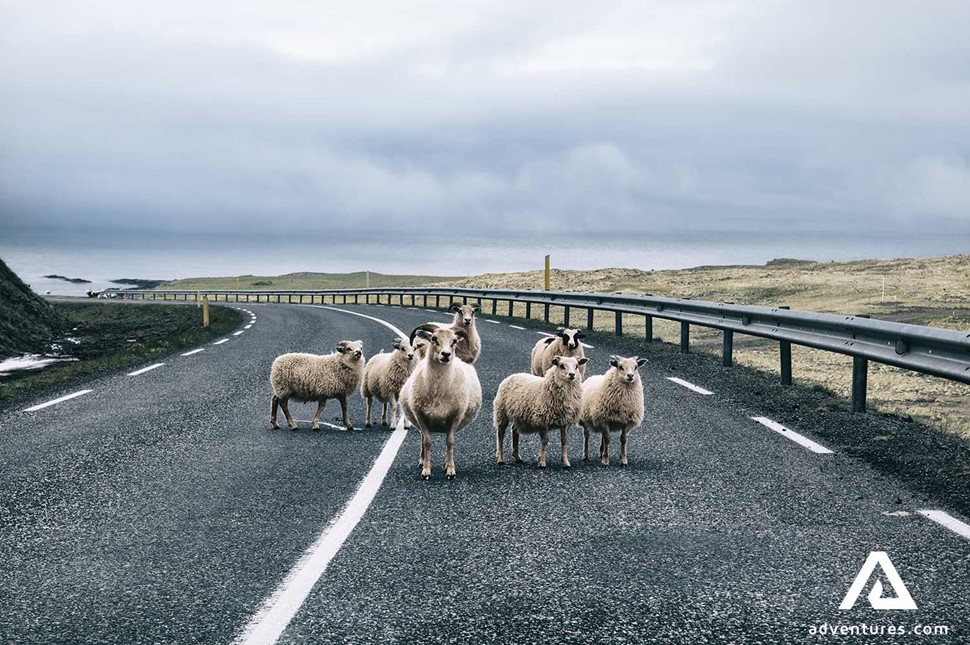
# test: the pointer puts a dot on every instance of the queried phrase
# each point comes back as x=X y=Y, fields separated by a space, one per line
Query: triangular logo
x=902 y=600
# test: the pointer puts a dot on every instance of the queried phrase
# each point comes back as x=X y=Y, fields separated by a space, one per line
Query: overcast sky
x=493 y=117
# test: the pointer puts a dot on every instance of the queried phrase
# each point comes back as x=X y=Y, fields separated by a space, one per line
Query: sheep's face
x=420 y=346
x=352 y=350
x=567 y=367
x=570 y=337
x=627 y=369
x=442 y=342
x=402 y=345
x=465 y=314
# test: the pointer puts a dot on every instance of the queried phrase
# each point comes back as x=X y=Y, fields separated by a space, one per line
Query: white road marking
x=689 y=386
x=431 y=311
x=517 y=327
x=269 y=623
x=194 y=351
x=146 y=369
x=248 y=326
x=794 y=436
x=219 y=342
x=945 y=519
x=542 y=333
x=494 y=322
x=55 y=401
x=236 y=333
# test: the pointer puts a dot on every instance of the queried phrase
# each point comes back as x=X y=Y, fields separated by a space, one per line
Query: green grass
x=305 y=281
x=118 y=336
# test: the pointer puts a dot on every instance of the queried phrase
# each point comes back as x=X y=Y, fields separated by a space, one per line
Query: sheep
x=384 y=375
x=566 y=342
x=537 y=404
x=471 y=347
x=442 y=394
x=612 y=401
x=311 y=377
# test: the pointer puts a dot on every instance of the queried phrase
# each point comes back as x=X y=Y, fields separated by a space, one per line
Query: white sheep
x=312 y=377
x=538 y=404
x=464 y=319
x=442 y=394
x=566 y=342
x=384 y=375
x=612 y=402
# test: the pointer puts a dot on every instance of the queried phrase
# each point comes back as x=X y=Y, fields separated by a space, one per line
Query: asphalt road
x=161 y=508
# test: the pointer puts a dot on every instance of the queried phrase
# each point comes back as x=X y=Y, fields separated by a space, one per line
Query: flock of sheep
x=433 y=378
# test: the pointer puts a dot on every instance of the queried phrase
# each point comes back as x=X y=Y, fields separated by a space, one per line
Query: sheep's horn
x=460 y=333
x=425 y=327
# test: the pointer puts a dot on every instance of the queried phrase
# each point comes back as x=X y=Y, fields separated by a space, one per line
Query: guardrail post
x=684 y=338
x=860 y=378
x=727 y=348
x=437 y=302
x=510 y=308
x=565 y=316
x=619 y=323
x=528 y=310
x=784 y=352
x=545 y=312
x=589 y=319
x=648 y=328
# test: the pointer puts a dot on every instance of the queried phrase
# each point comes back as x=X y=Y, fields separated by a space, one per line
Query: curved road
x=159 y=507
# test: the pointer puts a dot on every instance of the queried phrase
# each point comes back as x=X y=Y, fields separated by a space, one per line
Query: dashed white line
x=248 y=327
x=219 y=342
x=794 y=436
x=432 y=311
x=194 y=351
x=517 y=327
x=689 y=386
x=945 y=519
x=494 y=322
x=146 y=369
x=236 y=333
x=542 y=333
x=55 y=401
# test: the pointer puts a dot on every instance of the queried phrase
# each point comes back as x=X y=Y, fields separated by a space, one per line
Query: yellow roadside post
x=547 y=273
x=205 y=310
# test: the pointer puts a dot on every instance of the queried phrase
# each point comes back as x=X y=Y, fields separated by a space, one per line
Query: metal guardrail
x=928 y=350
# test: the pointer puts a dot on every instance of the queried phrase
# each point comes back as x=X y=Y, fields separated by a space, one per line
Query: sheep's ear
x=560 y=331
x=424 y=331
x=555 y=361
x=549 y=341
x=580 y=334
x=456 y=306
x=614 y=362
x=583 y=360
x=476 y=307
x=641 y=361
x=397 y=343
x=341 y=348
x=462 y=336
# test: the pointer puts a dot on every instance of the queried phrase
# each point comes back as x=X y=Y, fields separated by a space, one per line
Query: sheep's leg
x=425 y=454
x=500 y=442
x=450 y=454
x=585 y=443
x=515 y=445
x=343 y=408
x=368 y=401
x=623 y=434
x=384 y=413
x=407 y=422
x=543 y=442
x=605 y=446
x=284 y=403
x=565 y=449
x=316 y=417
x=392 y=403
x=272 y=413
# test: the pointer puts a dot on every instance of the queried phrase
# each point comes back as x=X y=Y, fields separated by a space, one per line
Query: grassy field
x=116 y=336
x=925 y=291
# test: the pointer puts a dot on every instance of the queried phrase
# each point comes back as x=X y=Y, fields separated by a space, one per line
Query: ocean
x=170 y=258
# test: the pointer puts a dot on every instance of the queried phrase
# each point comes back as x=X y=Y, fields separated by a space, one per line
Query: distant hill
x=27 y=321
x=306 y=280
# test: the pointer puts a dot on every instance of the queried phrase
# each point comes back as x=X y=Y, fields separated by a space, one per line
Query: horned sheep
x=313 y=377
x=464 y=319
x=538 y=404
x=566 y=342
x=442 y=395
x=612 y=402
x=384 y=375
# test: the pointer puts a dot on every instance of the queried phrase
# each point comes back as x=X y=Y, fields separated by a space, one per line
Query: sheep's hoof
x=316 y=428
x=294 y=428
x=542 y=466
x=274 y=427
x=350 y=428
x=518 y=460
x=623 y=464
x=368 y=425
x=425 y=477
x=384 y=423
x=500 y=462
x=450 y=477
x=566 y=466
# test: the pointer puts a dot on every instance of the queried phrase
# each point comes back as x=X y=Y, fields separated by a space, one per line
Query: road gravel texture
x=161 y=508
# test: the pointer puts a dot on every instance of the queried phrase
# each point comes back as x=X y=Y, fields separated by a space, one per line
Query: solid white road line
x=271 y=620
x=146 y=369
x=219 y=342
x=794 y=436
x=689 y=386
x=517 y=327
x=55 y=401
x=542 y=333
x=945 y=519
x=194 y=351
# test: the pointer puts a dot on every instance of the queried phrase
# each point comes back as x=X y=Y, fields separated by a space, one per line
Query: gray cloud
x=197 y=116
